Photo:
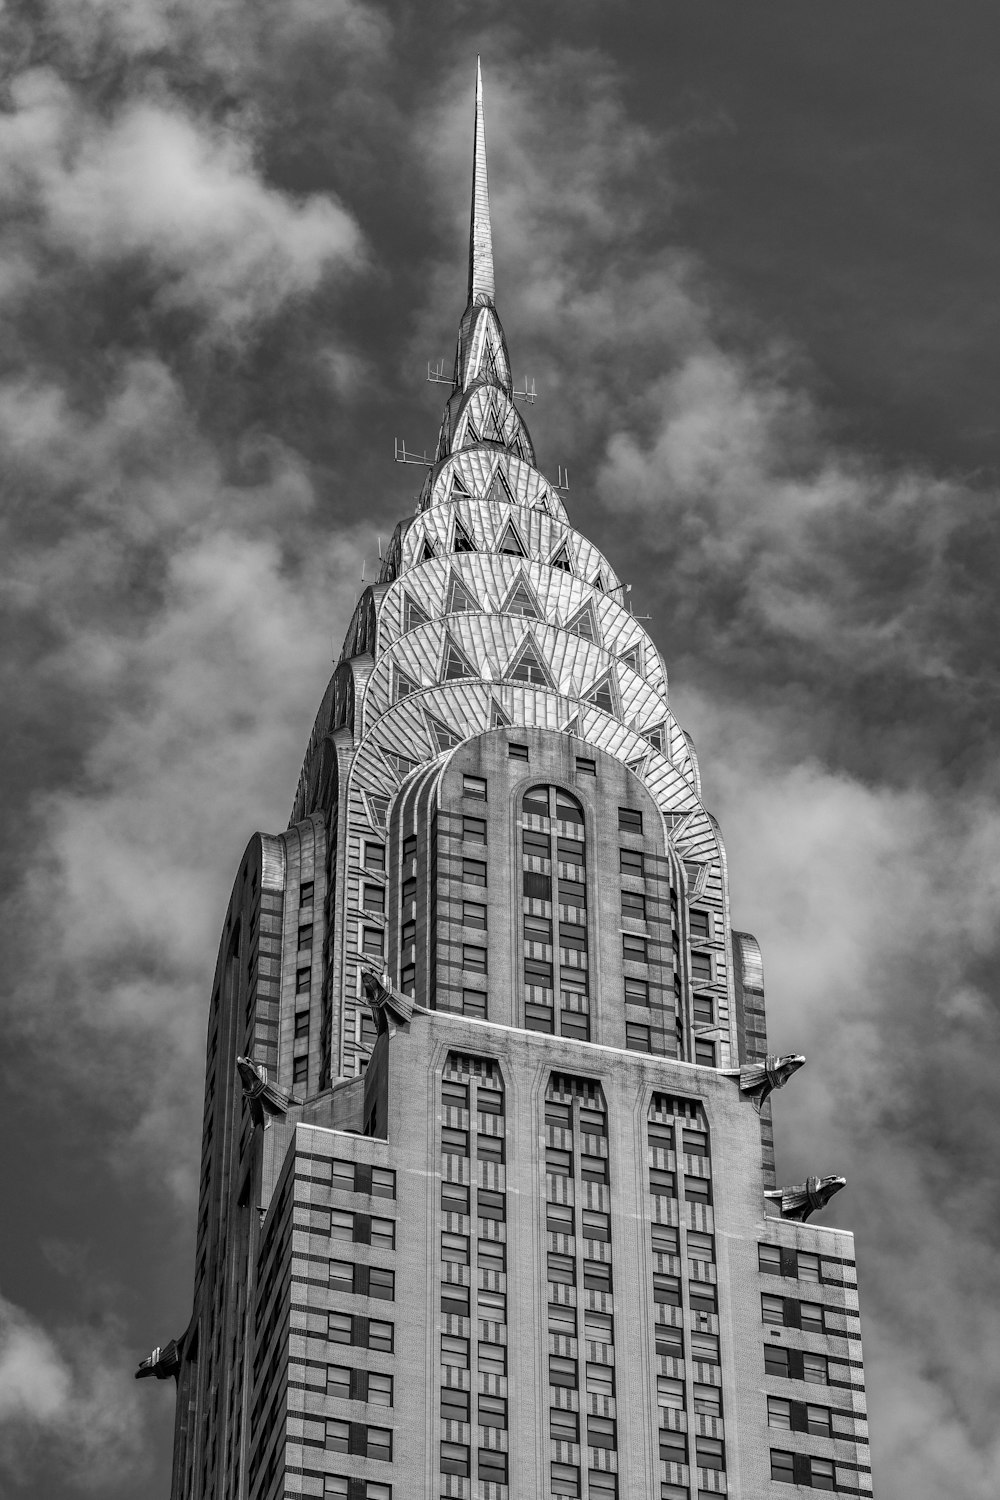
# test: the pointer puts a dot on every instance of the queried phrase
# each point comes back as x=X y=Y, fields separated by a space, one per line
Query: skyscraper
x=488 y=1205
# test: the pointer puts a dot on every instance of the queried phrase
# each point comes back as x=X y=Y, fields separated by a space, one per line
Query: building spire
x=481 y=284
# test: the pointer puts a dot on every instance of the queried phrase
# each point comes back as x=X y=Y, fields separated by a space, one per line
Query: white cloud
x=69 y=1392
x=179 y=193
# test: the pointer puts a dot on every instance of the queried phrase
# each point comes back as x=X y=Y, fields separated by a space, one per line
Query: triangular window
x=638 y=766
x=458 y=484
x=632 y=658
x=602 y=694
x=426 y=552
x=413 y=614
x=403 y=764
x=597 y=582
x=444 y=736
x=500 y=490
x=655 y=737
x=471 y=430
x=562 y=558
x=529 y=667
x=510 y=542
x=404 y=685
x=584 y=623
x=460 y=599
x=491 y=426
x=521 y=601
x=378 y=806
x=572 y=726
x=463 y=541
x=456 y=663
x=498 y=716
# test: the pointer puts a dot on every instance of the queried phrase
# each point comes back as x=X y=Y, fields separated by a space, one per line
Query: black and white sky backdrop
x=748 y=252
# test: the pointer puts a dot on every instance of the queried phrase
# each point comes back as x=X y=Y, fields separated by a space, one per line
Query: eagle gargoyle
x=805 y=1198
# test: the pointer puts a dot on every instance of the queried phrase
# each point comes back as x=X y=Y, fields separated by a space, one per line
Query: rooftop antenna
x=562 y=480
x=403 y=457
x=380 y=546
x=436 y=375
x=528 y=394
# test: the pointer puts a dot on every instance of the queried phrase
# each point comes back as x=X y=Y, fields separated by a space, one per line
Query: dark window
x=709 y=1453
x=634 y=949
x=558 y=1163
x=474 y=786
x=306 y=893
x=596 y=1226
x=534 y=844
x=339 y=1328
x=630 y=861
x=575 y=1024
x=409 y=890
x=664 y=1239
x=375 y=857
x=474 y=830
x=782 y=1467
x=815 y=1370
x=517 y=752
x=572 y=892
x=302 y=1023
x=302 y=975
x=538 y=973
x=473 y=872
x=380 y=1336
x=455 y=1248
x=473 y=915
x=455 y=1142
x=661 y=1136
x=338 y=1437
x=819 y=1421
x=585 y=767
x=562 y=1371
x=637 y=991
x=638 y=1037
x=454 y=1404
x=383 y=1182
x=493 y=1357
x=489 y=1147
x=821 y=1474
x=537 y=930
x=673 y=1447
x=300 y=1070
x=408 y=979
x=306 y=934
x=634 y=905
x=408 y=934
x=454 y=1302
x=573 y=935
x=593 y=1169
x=488 y=1101
x=562 y=1268
x=564 y=1480
x=454 y=1351
x=776 y=1361
x=666 y=1289
x=662 y=1184
x=474 y=1004
x=629 y=820
x=492 y=1466
x=705 y=1347
x=702 y=1295
x=559 y=1218
x=811 y=1317
x=700 y=927
x=601 y=1432
x=454 y=1459
x=473 y=959
x=570 y=851
x=454 y=1198
x=492 y=1413
x=538 y=1018
x=701 y=968
x=695 y=1143
x=379 y=1443
x=697 y=1190
x=596 y=1276
x=669 y=1343
x=489 y=1205
x=564 y=1426
x=381 y=1283
x=704 y=1013
x=371 y=943
x=537 y=887
x=492 y=1255
x=409 y=847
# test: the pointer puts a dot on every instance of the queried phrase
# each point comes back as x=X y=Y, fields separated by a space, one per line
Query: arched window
x=554 y=913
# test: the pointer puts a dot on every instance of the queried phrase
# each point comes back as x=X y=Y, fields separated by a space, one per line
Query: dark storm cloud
x=231 y=237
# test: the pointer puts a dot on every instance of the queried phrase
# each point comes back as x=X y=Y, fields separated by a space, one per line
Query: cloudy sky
x=748 y=254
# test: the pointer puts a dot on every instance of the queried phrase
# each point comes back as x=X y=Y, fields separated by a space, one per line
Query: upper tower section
x=481 y=411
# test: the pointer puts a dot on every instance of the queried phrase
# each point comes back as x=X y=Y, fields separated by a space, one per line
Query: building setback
x=488 y=1206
